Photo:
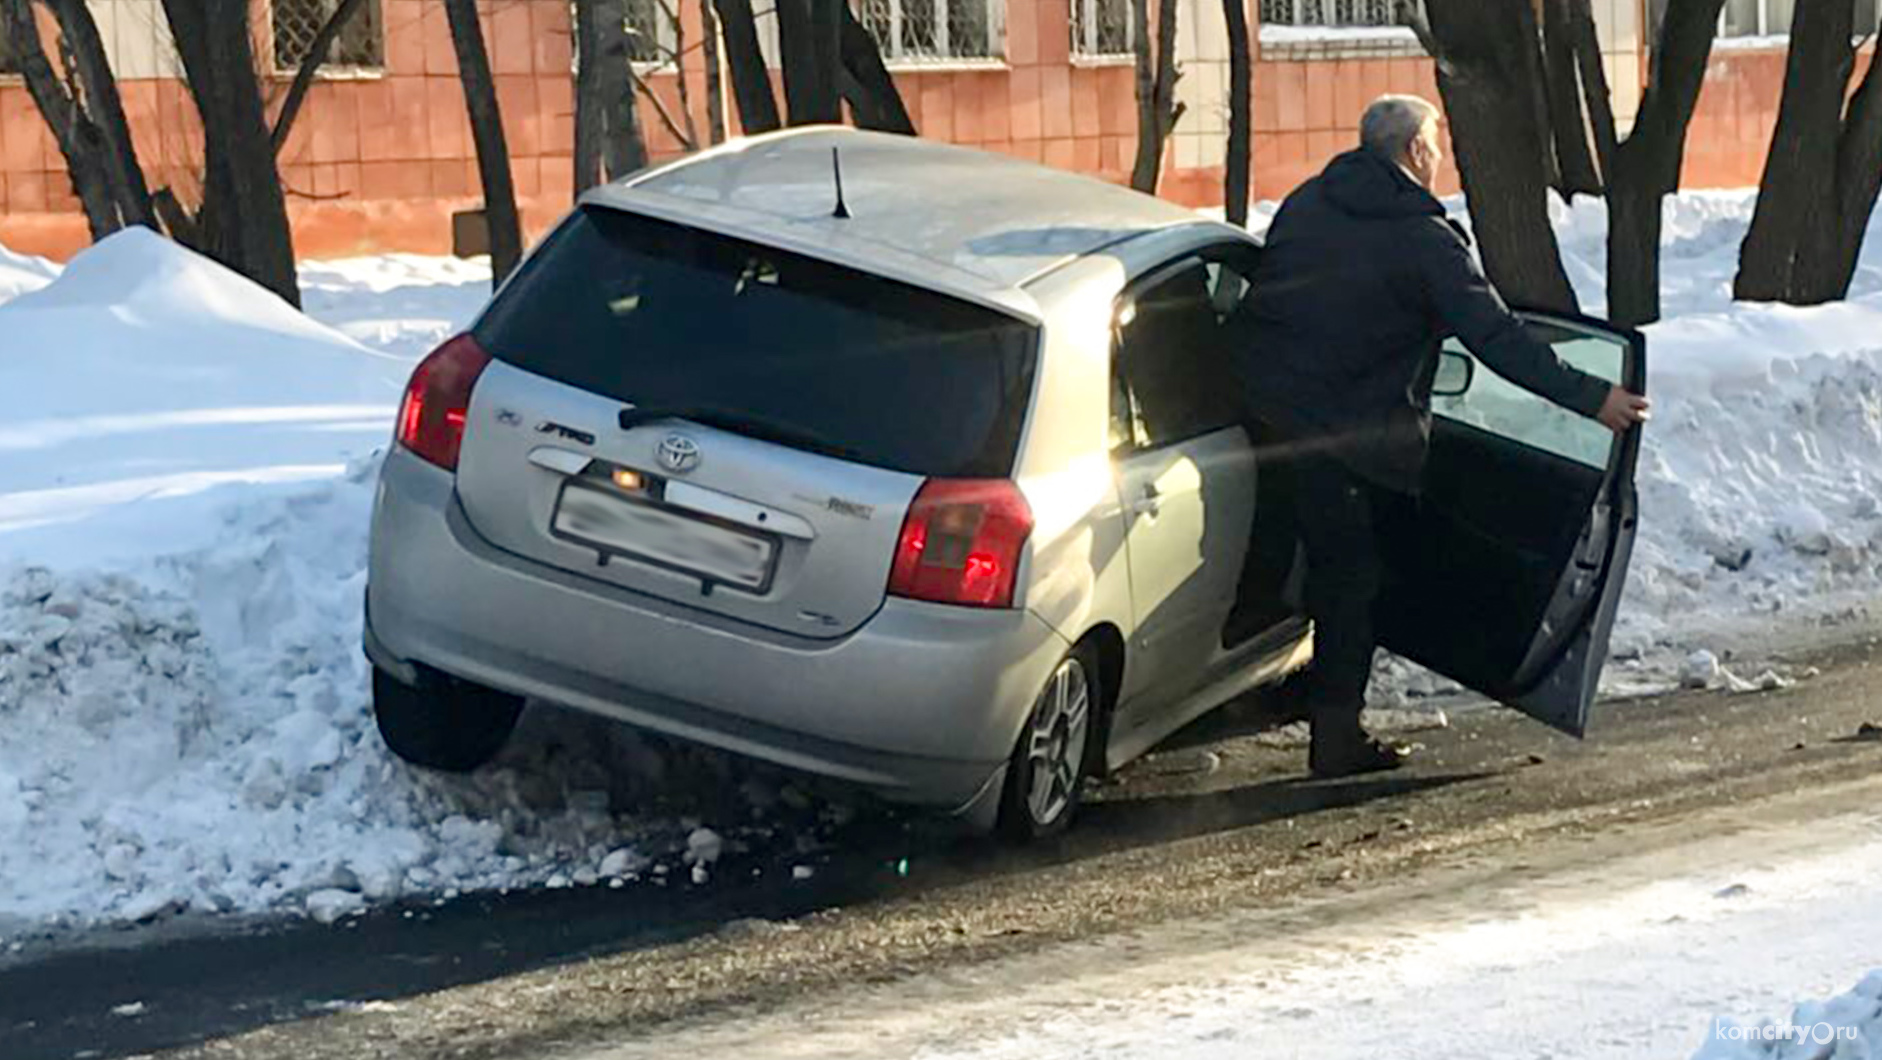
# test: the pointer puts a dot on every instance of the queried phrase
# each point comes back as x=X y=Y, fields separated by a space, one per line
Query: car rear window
x=661 y=315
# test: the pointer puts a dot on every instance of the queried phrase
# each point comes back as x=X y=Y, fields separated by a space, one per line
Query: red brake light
x=437 y=401
x=961 y=543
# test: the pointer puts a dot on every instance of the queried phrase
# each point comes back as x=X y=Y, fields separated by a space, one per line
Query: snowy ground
x=1680 y=940
x=186 y=469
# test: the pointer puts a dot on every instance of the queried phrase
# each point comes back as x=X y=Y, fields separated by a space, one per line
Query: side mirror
x=1456 y=371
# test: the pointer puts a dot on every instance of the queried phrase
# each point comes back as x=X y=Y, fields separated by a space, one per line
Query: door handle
x=1148 y=502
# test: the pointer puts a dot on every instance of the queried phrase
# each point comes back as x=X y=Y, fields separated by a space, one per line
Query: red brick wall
x=1307 y=111
x=1731 y=129
x=381 y=162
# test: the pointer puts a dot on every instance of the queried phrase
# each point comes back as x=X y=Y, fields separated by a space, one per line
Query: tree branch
x=660 y=109
x=310 y=65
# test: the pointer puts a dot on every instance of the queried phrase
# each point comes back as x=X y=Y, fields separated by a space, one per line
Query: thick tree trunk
x=608 y=139
x=106 y=110
x=589 y=121
x=1645 y=168
x=873 y=98
x=493 y=151
x=244 y=218
x=1634 y=223
x=1858 y=172
x=1157 y=112
x=1238 y=178
x=809 y=32
x=1796 y=220
x=79 y=141
x=1575 y=170
x=715 y=78
x=745 y=61
x=1501 y=154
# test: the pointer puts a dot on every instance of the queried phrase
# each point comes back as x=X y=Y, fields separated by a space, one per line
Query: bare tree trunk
x=493 y=151
x=751 y=81
x=1575 y=171
x=1237 y=179
x=870 y=88
x=1486 y=74
x=106 y=109
x=244 y=219
x=589 y=123
x=310 y=65
x=1858 y=172
x=79 y=141
x=608 y=139
x=624 y=143
x=809 y=33
x=1644 y=169
x=1796 y=220
x=715 y=79
x=1157 y=109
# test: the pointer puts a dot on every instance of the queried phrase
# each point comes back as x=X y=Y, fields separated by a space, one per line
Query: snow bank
x=139 y=387
x=1847 y=1027
x=183 y=714
x=20 y=273
x=1759 y=474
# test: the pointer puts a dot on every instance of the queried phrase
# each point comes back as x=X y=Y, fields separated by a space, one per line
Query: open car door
x=1507 y=576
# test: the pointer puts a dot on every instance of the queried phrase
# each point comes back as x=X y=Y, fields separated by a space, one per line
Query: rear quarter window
x=658 y=314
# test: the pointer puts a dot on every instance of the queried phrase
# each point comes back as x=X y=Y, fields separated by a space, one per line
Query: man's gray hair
x=1393 y=122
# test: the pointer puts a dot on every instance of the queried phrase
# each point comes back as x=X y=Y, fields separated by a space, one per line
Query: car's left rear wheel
x=443 y=722
x=1046 y=777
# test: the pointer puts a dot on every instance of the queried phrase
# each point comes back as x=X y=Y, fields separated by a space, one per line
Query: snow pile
x=20 y=273
x=145 y=382
x=400 y=303
x=1759 y=475
x=1847 y=1027
x=184 y=722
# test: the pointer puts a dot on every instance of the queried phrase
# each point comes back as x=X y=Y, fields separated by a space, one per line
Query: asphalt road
x=1221 y=819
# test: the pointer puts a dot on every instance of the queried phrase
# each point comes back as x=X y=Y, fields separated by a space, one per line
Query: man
x=1362 y=279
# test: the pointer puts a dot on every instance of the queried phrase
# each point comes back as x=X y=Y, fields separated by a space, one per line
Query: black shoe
x=1350 y=759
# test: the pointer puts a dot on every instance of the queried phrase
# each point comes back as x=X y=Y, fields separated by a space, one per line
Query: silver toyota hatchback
x=916 y=467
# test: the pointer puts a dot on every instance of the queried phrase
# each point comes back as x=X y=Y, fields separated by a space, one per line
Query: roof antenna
x=842 y=211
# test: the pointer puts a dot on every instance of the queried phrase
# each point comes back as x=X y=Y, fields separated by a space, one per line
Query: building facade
x=381 y=157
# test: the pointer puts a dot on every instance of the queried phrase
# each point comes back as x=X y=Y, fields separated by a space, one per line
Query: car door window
x=1494 y=404
x=1171 y=380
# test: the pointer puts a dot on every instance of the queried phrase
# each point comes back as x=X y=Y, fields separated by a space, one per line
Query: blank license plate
x=664 y=537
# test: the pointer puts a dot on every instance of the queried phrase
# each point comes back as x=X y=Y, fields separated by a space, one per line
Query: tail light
x=961 y=543
x=437 y=400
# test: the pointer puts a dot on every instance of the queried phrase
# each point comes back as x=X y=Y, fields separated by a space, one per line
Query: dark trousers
x=1336 y=517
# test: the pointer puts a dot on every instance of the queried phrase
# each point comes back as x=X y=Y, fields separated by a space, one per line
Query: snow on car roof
x=991 y=222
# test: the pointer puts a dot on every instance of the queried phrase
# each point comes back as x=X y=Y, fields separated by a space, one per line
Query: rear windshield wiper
x=737 y=423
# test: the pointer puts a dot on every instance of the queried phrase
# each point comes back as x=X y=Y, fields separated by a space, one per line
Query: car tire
x=1045 y=777
x=444 y=723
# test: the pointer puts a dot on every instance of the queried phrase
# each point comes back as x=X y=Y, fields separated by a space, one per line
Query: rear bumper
x=922 y=703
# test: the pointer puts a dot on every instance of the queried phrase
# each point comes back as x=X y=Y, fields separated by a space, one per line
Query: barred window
x=1328 y=13
x=362 y=41
x=1102 y=27
x=935 y=30
x=1768 y=18
x=650 y=32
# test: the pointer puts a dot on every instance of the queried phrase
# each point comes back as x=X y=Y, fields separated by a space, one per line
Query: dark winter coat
x=1362 y=279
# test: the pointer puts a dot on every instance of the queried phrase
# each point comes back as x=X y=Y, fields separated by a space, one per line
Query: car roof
x=950 y=218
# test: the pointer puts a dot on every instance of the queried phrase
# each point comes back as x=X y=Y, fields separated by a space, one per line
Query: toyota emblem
x=678 y=453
